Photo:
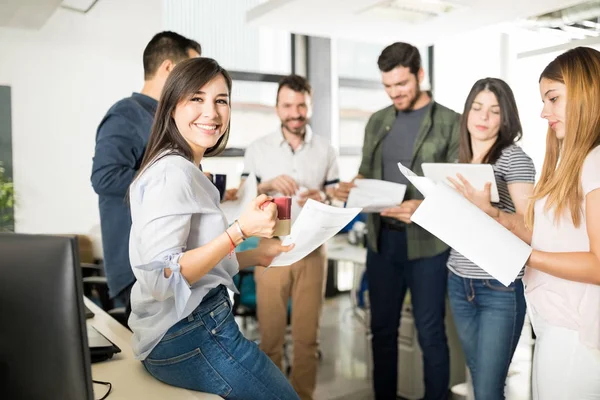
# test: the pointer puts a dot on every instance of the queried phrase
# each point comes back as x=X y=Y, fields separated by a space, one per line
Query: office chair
x=244 y=302
x=95 y=286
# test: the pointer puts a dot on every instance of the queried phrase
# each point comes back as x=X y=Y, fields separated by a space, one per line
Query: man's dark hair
x=296 y=83
x=167 y=46
x=400 y=55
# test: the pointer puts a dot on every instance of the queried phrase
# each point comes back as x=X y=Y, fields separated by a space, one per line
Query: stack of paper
x=374 y=195
x=452 y=218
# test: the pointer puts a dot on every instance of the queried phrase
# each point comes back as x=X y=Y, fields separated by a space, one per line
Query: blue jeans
x=489 y=318
x=207 y=352
x=389 y=275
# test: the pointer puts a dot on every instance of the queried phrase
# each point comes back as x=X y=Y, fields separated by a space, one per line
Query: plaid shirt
x=437 y=141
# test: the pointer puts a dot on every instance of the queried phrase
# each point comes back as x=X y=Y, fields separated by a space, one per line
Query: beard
x=299 y=131
x=413 y=101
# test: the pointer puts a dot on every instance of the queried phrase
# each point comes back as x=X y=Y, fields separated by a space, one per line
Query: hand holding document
x=452 y=218
x=374 y=195
x=477 y=175
x=316 y=224
x=245 y=195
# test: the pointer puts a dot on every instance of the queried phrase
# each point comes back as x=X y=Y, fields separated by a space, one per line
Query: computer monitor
x=43 y=342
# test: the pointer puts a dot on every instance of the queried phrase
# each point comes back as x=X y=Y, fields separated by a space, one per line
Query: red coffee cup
x=284 y=207
x=283 y=226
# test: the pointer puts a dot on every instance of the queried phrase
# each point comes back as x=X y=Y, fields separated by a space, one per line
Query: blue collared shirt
x=120 y=143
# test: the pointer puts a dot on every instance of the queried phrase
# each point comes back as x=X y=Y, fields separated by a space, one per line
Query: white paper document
x=452 y=218
x=245 y=194
x=477 y=175
x=316 y=224
x=374 y=195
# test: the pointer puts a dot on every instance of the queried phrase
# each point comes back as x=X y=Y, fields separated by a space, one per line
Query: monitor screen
x=43 y=343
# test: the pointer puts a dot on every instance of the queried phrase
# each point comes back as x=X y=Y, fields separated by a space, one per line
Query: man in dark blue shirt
x=120 y=143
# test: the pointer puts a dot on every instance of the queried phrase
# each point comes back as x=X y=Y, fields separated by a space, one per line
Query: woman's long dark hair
x=183 y=82
x=510 y=124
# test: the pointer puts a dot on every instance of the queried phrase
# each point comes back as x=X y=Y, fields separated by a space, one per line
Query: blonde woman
x=563 y=226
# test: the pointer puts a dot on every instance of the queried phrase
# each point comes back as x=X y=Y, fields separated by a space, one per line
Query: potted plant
x=7 y=202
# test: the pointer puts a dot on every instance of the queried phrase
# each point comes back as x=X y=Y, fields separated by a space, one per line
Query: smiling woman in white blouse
x=182 y=250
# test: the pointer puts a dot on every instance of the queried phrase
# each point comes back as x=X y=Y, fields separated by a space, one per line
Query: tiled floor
x=344 y=368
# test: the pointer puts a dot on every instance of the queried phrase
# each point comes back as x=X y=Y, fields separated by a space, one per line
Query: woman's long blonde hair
x=579 y=70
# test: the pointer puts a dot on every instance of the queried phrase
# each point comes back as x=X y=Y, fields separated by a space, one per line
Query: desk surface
x=339 y=249
x=128 y=377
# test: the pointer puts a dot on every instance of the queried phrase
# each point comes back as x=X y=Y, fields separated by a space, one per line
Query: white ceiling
x=347 y=19
x=26 y=14
x=78 y=5
x=33 y=14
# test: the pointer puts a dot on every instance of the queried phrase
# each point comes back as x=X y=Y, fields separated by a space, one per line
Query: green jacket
x=437 y=141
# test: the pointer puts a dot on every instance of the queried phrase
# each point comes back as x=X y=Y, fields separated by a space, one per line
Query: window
x=356 y=107
x=252 y=112
x=220 y=27
x=360 y=89
x=358 y=60
x=256 y=57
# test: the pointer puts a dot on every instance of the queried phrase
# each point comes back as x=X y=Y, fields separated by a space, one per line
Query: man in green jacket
x=402 y=255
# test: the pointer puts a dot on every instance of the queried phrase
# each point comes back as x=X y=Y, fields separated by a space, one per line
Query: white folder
x=477 y=175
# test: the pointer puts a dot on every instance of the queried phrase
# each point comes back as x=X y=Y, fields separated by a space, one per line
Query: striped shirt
x=513 y=166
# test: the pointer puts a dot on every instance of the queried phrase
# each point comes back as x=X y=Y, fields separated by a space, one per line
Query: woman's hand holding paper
x=481 y=198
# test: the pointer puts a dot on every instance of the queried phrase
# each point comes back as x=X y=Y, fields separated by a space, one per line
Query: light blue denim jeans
x=489 y=318
x=207 y=352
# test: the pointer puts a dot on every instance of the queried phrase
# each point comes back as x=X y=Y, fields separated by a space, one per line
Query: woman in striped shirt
x=488 y=315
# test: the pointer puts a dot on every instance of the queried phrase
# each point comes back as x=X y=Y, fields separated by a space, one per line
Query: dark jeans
x=389 y=275
x=489 y=318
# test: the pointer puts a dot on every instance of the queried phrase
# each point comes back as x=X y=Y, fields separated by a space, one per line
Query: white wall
x=461 y=61
x=526 y=74
x=64 y=77
x=527 y=93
